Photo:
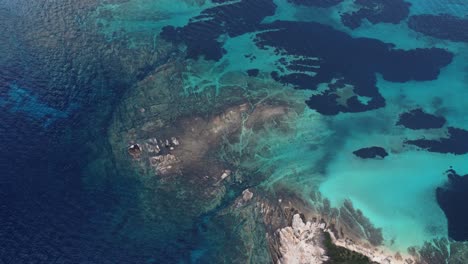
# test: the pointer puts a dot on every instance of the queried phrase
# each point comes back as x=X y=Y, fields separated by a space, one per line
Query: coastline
x=303 y=239
x=376 y=254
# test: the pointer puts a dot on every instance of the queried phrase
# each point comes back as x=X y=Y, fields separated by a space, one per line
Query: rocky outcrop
x=301 y=243
x=164 y=164
x=134 y=150
x=299 y=233
x=247 y=195
x=306 y=242
x=188 y=143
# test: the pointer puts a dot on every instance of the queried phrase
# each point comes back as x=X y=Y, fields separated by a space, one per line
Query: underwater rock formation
x=253 y=72
x=165 y=164
x=313 y=54
x=418 y=119
x=192 y=139
x=453 y=198
x=247 y=195
x=456 y=142
x=344 y=62
x=134 y=150
x=229 y=18
x=442 y=26
x=371 y=153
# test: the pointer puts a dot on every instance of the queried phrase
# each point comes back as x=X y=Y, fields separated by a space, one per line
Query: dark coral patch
x=371 y=153
x=377 y=11
x=418 y=119
x=416 y=64
x=312 y=54
x=453 y=200
x=317 y=3
x=201 y=34
x=441 y=26
x=455 y=143
x=348 y=65
x=253 y=72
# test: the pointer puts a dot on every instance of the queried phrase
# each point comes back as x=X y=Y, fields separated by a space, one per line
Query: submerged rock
x=253 y=72
x=339 y=55
x=442 y=26
x=226 y=173
x=134 y=150
x=456 y=142
x=371 y=153
x=164 y=164
x=174 y=141
x=452 y=199
x=247 y=195
x=152 y=146
x=418 y=119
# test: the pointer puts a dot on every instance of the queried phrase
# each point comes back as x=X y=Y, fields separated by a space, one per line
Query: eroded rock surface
x=301 y=243
x=192 y=139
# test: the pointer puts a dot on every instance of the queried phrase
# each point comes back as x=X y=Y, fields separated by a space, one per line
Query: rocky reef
x=197 y=149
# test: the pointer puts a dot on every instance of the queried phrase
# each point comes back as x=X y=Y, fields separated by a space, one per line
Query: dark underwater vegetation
x=451 y=199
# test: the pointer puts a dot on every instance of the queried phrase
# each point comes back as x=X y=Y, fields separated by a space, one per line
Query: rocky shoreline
x=304 y=240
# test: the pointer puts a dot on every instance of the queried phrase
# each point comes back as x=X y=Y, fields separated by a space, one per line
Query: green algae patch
x=341 y=255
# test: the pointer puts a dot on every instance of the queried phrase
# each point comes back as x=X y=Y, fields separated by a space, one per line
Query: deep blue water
x=56 y=99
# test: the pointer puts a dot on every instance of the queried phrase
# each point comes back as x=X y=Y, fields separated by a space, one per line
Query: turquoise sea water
x=73 y=67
